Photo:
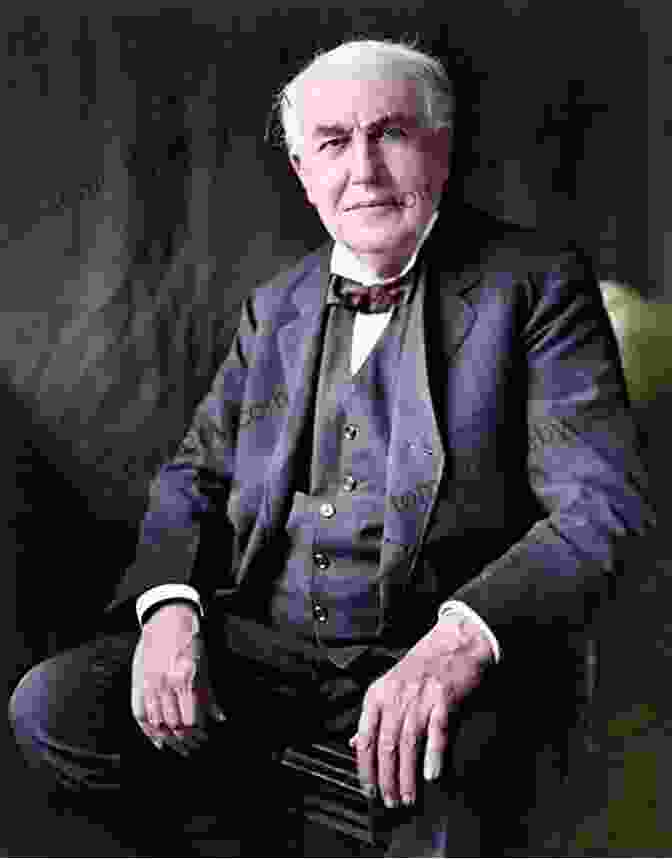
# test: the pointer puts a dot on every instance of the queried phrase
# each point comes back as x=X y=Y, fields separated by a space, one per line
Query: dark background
x=139 y=203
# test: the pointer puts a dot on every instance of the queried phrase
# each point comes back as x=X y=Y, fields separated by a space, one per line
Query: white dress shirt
x=368 y=328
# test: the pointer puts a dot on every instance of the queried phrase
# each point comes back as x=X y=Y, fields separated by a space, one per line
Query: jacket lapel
x=300 y=346
x=417 y=455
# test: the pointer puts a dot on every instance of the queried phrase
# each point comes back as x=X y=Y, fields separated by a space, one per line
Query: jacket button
x=320 y=613
x=327 y=510
x=350 y=431
x=349 y=483
x=322 y=562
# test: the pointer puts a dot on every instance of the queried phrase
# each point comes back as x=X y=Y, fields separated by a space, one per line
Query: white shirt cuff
x=452 y=607
x=166 y=592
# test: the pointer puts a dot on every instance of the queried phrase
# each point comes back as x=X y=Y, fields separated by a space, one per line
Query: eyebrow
x=337 y=130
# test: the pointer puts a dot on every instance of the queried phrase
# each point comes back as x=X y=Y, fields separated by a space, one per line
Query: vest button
x=320 y=613
x=327 y=510
x=349 y=483
x=322 y=562
x=350 y=431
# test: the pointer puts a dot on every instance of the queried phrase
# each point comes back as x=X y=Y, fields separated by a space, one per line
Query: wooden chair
x=326 y=791
x=324 y=788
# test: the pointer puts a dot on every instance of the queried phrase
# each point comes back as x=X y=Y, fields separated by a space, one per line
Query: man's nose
x=365 y=161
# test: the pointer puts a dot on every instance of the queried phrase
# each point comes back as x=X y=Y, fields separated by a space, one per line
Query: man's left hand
x=411 y=704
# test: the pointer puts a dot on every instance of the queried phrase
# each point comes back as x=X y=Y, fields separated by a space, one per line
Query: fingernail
x=369 y=790
x=432 y=770
x=158 y=743
x=408 y=799
x=390 y=802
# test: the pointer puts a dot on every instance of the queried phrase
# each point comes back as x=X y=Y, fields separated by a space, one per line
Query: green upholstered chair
x=644 y=332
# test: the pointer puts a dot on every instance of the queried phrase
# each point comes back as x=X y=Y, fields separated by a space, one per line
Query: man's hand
x=411 y=704
x=171 y=694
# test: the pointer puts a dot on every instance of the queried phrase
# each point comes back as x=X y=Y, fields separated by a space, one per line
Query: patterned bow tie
x=372 y=299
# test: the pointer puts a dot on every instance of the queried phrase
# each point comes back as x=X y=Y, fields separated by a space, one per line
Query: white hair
x=387 y=60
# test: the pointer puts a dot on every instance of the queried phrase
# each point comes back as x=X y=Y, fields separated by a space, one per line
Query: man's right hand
x=171 y=695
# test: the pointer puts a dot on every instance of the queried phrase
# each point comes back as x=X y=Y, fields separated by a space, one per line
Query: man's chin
x=380 y=243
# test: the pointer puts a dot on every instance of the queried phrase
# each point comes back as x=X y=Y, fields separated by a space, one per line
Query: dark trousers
x=72 y=718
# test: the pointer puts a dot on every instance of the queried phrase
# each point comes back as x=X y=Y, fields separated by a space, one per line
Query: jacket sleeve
x=196 y=483
x=583 y=463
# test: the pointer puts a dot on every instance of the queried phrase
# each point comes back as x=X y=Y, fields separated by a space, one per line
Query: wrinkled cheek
x=328 y=196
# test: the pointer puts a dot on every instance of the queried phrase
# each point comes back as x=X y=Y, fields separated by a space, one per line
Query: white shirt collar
x=346 y=263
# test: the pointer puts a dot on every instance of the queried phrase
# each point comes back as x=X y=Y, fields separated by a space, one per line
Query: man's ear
x=441 y=151
x=444 y=140
x=295 y=161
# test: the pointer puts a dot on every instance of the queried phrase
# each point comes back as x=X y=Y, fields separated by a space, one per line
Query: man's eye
x=332 y=143
x=393 y=132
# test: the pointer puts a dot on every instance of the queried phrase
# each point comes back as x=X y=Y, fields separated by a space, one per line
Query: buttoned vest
x=328 y=589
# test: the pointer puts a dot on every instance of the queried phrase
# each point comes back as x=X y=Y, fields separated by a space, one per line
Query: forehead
x=340 y=100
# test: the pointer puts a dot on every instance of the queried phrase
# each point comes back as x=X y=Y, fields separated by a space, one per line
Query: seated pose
x=406 y=488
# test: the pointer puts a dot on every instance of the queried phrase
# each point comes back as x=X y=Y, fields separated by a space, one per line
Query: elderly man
x=416 y=463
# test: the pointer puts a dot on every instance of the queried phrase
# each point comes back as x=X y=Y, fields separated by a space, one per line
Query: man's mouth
x=404 y=200
x=373 y=204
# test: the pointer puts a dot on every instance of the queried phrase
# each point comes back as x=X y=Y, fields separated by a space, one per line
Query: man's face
x=369 y=167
